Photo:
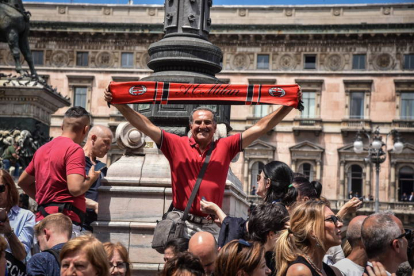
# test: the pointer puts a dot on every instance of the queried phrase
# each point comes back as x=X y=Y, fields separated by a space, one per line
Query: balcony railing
x=404 y=123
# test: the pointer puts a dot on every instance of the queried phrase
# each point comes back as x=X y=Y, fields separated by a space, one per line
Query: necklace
x=319 y=271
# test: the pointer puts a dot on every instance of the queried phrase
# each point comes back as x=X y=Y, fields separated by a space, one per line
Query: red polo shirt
x=186 y=161
x=51 y=164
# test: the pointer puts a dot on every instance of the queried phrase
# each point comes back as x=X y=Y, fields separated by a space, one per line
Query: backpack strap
x=55 y=253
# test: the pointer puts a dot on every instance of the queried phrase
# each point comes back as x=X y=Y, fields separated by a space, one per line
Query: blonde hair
x=307 y=221
x=110 y=248
x=58 y=222
x=93 y=249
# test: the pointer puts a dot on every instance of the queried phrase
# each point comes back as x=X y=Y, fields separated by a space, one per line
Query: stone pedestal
x=136 y=193
x=26 y=104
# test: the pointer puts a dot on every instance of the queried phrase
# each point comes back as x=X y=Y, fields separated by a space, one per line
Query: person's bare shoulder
x=299 y=270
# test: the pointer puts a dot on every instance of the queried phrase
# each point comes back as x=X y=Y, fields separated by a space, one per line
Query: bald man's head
x=99 y=141
x=353 y=233
x=204 y=246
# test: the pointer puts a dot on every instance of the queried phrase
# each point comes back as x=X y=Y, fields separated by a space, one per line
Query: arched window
x=256 y=169
x=355 y=179
x=306 y=169
x=406 y=180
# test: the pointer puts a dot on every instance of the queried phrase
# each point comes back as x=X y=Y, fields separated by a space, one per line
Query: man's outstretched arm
x=138 y=120
x=264 y=125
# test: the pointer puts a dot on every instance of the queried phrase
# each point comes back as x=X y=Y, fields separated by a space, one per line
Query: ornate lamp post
x=376 y=154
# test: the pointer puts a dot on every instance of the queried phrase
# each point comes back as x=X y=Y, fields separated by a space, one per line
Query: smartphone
x=361 y=198
x=100 y=166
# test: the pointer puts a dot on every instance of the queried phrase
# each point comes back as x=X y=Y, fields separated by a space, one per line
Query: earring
x=317 y=242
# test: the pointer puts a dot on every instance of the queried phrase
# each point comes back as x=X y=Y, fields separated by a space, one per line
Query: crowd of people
x=293 y=231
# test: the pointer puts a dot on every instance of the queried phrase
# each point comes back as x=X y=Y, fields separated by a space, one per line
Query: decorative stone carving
x=289 y=12
x=383 y=62
x=129 y=138
x=386 y=11
x=152 y=12
x=242 y=12
x=59 y=58
x=240 y=61
x=62 y=10
x=334 y=62
x=287 y=62
x=336 y=11
x=107 y=11
x=104 y=59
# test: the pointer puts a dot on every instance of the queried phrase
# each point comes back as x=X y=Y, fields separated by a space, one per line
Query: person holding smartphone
x=97 y=145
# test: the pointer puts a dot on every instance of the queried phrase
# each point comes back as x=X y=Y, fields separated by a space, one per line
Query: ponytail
x=284 y=252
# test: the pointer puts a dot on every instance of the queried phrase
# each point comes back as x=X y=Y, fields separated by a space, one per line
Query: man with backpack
x=52 y=233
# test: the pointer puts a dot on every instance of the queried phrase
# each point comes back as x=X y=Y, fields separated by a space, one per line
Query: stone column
x=393 y=189
x=246 y=175
x=318 y=170
x=342 y=180
x=293 y=165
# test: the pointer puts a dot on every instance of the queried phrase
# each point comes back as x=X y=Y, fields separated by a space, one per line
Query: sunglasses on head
x=407 y=234
x=243 y=243
x=333 y=219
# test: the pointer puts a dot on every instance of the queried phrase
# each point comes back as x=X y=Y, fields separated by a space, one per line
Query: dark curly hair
x=183 y=262
x=264 y=218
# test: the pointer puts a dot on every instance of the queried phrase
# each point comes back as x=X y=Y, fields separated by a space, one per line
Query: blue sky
x=238 y=2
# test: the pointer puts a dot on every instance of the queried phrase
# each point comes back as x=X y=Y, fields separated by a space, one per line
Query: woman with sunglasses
x=16 y=224
x=241 y=258
x=313 y=229
x=118 y=259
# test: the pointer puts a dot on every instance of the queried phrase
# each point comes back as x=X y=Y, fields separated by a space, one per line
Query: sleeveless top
x=300 y=260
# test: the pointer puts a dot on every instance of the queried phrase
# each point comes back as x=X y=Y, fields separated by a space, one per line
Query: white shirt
x=349 y=268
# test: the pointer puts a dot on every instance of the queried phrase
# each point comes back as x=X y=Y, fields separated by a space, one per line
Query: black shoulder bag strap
x=198 y=182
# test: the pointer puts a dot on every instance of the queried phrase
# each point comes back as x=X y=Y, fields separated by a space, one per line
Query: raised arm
x=138 y=120
x=264 y=125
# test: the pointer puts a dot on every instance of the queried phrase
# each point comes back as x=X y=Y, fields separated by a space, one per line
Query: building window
x=262 y=61
x=407 y=106
x=79 y=98
x=307 y=170
x=357 y=105
x=406 y=181
x=308 y=99
x=82 y=59
x=256 y=169
x=260 y=111
x=409 y=62
x=127 y=60
x=358 y=62
x=310 y=62
x=355 y=179
x=37 y=57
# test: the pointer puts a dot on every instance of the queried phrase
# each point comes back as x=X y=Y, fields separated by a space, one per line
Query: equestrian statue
x=14 y=29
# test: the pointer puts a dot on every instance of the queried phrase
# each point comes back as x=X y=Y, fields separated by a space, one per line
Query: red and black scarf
x=184 y=93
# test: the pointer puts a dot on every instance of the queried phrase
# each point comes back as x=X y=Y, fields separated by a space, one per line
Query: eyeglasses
x=334 y=219
x=119 y=266
x=243 y=243
x=407 y=234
